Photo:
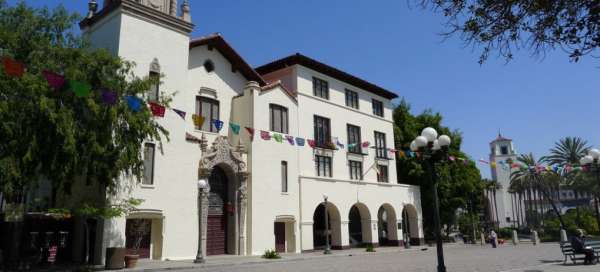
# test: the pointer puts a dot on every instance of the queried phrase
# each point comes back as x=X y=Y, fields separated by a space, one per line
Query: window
x=380 y=147
x=154 y=91
x=354 y=138
x=508 y=219
x=382 y=176
x=323 y=164
x=209 y=66
x=279 y=118
x=320 y=88
x=355 y=170
x=284 y=177
x=148 y=164
x=351 y=99
x=504 y=150
x=378 y=108
x=322 y=131
x=209 y=109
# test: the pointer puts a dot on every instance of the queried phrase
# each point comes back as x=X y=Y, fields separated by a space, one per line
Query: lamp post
x=433 y=149
x=327 y=245
x=203 y=188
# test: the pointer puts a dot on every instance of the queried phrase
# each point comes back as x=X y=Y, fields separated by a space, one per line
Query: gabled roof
x=500 y=138
x=216 y=41
x=299 y=59
x=270 y=86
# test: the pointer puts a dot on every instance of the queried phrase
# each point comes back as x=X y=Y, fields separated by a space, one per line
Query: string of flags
x=538 y=167
x=58 y=82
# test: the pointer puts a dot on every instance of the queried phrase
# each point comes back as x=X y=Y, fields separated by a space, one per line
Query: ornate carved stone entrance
x=232 y=162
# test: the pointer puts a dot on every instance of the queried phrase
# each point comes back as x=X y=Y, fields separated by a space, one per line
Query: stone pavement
x=459 y=258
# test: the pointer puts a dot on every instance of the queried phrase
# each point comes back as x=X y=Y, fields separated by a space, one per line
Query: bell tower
x=502 y=155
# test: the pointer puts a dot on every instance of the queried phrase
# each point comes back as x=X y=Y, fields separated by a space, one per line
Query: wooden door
x=280 y=236
x=137 y=237
x=216 y=239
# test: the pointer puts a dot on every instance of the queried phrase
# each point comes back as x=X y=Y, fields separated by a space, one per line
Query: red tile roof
x=299 y=59
x=217 y=41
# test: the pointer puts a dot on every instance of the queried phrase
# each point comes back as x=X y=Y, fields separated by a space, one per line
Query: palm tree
x=528 y=179
x=567 y=152
x=492 y=186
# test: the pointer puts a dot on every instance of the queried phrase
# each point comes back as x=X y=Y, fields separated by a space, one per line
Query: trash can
x=115 y=258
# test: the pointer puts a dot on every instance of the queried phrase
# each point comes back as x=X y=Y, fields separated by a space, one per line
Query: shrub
x=271 y=254
x=505 y=233
x=370 y=248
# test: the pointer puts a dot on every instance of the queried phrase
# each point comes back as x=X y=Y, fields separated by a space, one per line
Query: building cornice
x=362 y=182
x=142 y=12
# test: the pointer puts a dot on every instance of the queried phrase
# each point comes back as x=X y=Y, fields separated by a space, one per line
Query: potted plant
x=138 y=230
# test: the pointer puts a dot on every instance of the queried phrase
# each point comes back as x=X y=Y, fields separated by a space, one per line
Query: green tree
x=54 y=135
x=567 y=152
x=458 y=182
x=537 y=25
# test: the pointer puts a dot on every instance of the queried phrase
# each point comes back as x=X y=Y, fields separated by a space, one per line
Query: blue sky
x=534 y=101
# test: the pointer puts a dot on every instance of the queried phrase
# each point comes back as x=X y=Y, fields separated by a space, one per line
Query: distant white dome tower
x=502 y=155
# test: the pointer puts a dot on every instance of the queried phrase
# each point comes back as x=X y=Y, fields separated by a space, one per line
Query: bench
x=568 y=252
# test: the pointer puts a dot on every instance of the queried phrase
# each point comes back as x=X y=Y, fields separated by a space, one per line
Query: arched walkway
x=334 y=226
x=359 y=225
x=387 y=228
x=410 y=224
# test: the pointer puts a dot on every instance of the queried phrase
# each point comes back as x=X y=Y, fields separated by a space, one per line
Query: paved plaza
x=522 y=258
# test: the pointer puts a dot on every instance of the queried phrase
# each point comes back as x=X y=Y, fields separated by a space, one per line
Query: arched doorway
x=359 y=225
x=410 y=225
x=387 y=229
x=220 y=210
x=334 y=227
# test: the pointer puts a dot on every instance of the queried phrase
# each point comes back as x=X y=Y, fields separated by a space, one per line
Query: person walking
x=578 y=244
x=493 y=239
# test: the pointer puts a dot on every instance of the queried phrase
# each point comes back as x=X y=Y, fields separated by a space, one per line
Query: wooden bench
x=568 y=252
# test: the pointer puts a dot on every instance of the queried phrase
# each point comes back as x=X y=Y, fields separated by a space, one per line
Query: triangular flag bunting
x=157 y=110
x=198 y=120
x=81 y=89
x=12 y=67
x=109 y=97
x=180 y=113
x=250 y=132
x=134 y=103
x=290 y=139
x=235 y=128
x=338 y=143
x=278 y=137
x=218 y=124
x=55 y=80
x=299 y=141
x=265 y=135
x=366 y=144
x=311 y=143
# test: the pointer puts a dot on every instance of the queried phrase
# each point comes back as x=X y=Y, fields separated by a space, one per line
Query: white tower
x=156 y=37
x=501 y=157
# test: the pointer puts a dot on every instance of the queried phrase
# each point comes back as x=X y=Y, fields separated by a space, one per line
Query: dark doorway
x=137 y=237
x=216 y=239
x=382 y=216
x=280 y=236
x=355 y=227
x=319 y=227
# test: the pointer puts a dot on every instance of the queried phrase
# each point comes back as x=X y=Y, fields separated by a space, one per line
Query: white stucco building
x=263 y=194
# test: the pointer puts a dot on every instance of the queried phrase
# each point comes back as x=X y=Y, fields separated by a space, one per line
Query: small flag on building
x=12 y=67
x=235 y=128
x=157 y=110
x=218 y=124
x=55 y=81
x=299 y=141
x=180 y=113
x=290 y=139
x=198 y=120
x=265 y=135
x=278 y=137
x=366 y=144
x=250 y=132
x=311 y=143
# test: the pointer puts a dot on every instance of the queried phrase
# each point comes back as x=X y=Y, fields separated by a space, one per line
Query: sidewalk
x=233 y=260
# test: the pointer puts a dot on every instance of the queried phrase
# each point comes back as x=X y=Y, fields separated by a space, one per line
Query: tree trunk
x=597 y=212
x=578 y=218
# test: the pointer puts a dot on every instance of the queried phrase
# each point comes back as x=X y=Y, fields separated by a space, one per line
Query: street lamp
x=433 y=149
x=327 y=245
x=203 y=188
x=592 y=161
